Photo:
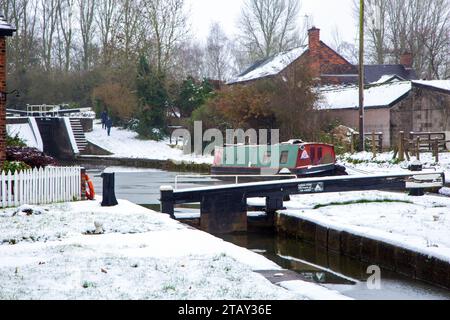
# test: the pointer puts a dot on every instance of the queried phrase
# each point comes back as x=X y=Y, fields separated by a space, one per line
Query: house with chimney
x=325 y=64
x=395 y=100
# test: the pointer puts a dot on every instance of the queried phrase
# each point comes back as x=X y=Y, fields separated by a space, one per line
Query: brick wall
x=324 y=62
x=2 y=100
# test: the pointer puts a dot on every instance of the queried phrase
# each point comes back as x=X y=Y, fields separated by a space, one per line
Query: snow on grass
x=125 y=144
x=420 y=224
x=142 y=255
x=385 y=163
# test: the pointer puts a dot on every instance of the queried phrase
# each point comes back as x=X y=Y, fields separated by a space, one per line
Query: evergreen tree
x=193 y=95
x=153 y=97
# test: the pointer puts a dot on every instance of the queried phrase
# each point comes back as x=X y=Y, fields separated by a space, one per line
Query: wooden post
x=167 y=202
x=436 y=150
x=401 y=146
x=430 y=143
x=374 y=146
x=380 y=142
x=352 y=143
x=418 y=148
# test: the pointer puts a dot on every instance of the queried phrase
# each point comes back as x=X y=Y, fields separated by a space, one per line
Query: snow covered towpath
x=52 y=252
x=125 y=144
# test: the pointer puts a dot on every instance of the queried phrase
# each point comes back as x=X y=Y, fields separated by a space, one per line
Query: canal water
x=336 y=272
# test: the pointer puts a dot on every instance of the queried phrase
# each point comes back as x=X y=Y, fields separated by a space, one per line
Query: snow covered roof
x=438 y=84
x=6 y=29
x=374 y=73
x=389 y=78
x=379 y=96
x=270 y=67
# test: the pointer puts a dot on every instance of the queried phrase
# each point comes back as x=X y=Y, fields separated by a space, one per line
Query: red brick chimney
x=314 y=39
x=6 y=30
x=314 y=51
x=406 y=59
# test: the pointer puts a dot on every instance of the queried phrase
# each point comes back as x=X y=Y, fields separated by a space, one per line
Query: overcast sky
x=326 y=14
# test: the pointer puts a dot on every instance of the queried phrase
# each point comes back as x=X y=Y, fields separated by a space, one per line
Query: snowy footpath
x=52 y=252
x=125 y=144
x=420 y=224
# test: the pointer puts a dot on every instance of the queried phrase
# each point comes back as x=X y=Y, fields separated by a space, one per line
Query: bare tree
x=131 y=30
x=269 y=27
x=348 y=50
x=218 y=53
x=189 y=61
x=168 y=25
x=107 y=15
x=86 y=19
x=66 y=10
x=22 y=47
x=420 y=27
x=49 y=19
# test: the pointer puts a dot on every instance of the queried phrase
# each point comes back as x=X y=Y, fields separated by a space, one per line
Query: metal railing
x=235 y=178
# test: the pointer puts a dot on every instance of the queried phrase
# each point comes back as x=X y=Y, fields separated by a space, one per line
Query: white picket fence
x=43 y=186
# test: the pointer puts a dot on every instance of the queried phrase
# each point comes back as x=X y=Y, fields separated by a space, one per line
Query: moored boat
x=295 y=157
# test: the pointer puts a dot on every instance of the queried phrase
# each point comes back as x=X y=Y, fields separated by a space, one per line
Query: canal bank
x=166 y=165
x=402 y=234
x=406 y=262
x=142 y=187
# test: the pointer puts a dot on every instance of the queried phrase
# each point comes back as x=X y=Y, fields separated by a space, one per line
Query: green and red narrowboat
x=293 y=158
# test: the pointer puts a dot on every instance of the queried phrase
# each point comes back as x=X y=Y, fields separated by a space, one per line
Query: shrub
x=31 y=156
x=15 y=141
x=14 y=166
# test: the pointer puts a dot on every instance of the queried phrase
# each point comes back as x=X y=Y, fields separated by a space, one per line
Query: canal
x=336 y=272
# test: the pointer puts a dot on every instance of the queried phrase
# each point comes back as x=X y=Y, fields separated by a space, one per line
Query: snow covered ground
x=363 y=163
x=421 y=224
x=141 y=255
x=125 y=144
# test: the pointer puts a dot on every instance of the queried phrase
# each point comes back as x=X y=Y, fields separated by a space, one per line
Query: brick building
x=325 y=64
x=6 y=30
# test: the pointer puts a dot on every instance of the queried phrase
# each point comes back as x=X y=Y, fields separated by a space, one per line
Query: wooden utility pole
x=361 y=77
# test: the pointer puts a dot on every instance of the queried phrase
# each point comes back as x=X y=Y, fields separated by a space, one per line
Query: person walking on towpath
x=109 y=124
x=104 y=118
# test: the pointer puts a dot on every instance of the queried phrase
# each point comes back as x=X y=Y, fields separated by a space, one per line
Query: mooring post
x=167 y=201
x=109 y=193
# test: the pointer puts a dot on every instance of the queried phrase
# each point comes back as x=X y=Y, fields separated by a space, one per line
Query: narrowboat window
x=284 y=157
x=320 y=154
x=313 y=154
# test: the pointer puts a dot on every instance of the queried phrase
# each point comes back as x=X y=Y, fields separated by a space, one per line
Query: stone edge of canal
x=405 y=262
